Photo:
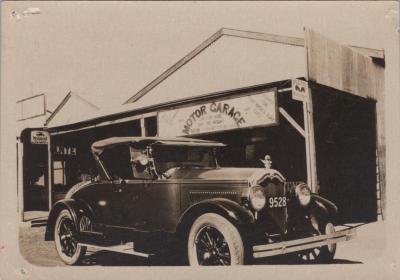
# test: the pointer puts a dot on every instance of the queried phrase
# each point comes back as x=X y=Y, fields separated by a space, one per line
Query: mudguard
x=76 y=208
x=232 y=211
x=328 y=207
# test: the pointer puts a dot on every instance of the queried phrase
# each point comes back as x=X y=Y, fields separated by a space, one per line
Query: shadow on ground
x=105 y=258
x=43 y=253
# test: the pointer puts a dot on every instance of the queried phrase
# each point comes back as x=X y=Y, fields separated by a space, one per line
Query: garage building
x=314 y=105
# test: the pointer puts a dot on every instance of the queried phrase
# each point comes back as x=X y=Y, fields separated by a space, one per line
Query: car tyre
x=213 y=240
x=65 y=234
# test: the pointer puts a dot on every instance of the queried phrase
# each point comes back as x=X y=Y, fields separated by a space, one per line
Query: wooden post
x=311 y=142
x=307 y=142
x=312 y=179
x=20 y=179
x=142 y=127
x=50 y=172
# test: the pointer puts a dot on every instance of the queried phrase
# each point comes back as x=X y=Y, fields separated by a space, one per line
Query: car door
x=121 y=193
x=130 y=204
x=132 y=193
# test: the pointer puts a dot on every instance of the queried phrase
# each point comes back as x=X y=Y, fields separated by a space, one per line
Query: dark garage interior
x=345 y=138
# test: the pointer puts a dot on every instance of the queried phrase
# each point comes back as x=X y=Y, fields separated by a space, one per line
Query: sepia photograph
x=176 y=135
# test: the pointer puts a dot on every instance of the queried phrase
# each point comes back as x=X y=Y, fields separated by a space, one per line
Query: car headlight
x=303 y=194
x=257 y=197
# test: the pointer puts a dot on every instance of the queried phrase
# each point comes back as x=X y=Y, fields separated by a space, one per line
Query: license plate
x=277 y=202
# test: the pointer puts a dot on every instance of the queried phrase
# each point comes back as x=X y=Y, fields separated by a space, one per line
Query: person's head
x=267 y=161
x=85 y=177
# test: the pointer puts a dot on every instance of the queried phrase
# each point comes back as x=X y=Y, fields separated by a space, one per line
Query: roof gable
x=72 y=102
x=293 y=65
x=226 y=62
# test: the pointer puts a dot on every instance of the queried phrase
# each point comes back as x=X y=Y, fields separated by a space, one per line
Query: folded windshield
x=168 y=157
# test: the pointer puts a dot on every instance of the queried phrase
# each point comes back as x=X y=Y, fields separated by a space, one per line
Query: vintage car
x=169 y=198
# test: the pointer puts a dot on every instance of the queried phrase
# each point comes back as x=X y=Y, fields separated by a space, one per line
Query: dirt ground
x=35 y=250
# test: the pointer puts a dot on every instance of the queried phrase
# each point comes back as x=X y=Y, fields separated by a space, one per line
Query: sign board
x=299 y=90
x=65 y=150
x=39 y=137
x=219 y=115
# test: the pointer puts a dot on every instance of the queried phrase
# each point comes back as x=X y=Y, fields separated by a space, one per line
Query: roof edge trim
x=59 y=107
x=287 y=40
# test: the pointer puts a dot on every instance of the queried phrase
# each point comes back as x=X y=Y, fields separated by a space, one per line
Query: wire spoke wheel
x=65 y=237
x=211 y=247
x=66 y=234
x=213 y=240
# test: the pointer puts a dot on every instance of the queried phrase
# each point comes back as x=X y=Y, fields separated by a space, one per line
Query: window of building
x=59 y=173
x=150 y=125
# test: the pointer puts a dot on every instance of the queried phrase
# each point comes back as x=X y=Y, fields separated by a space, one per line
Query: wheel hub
x=67 y=240
x=211 y=247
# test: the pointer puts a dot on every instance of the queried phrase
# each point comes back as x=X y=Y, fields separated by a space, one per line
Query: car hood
x=223 y=173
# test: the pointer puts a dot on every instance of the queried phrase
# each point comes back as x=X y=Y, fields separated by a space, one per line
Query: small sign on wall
x=220 y=115
x=299 y=90
x=39 y=137
x=65 y=150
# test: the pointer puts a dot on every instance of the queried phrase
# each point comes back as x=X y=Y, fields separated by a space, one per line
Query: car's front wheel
x=213 y=240
x=65 y=239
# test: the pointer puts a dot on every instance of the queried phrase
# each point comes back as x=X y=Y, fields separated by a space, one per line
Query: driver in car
x=140 y=168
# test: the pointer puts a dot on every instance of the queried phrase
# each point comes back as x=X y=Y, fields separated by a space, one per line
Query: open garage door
x=345 y=138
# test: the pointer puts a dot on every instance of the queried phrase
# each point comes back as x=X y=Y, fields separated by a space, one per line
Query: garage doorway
x=345 y=138
x=34 y=172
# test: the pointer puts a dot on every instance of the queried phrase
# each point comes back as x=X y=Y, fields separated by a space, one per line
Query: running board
x=280 y=248
x=126 y=248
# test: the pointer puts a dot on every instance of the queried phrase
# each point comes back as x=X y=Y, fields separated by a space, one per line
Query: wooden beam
x=50 y=173
x=20 y=179
x=311 y=156
x=292 y=121
x=369 y=52
x=142 y=127
x=294 y=41
x=176 y=66
x=311 y=141
x=105 y=123
x=62 y=103
x=30 y=97
x=307 y=143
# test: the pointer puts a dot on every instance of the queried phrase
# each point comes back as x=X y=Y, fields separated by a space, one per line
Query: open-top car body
x=169 y=197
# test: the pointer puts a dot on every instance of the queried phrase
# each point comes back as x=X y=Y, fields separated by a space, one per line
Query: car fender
x=76 y=208
x=328 y=207
x=238 y=215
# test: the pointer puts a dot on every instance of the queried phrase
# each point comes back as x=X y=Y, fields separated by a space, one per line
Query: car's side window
x=117 y=162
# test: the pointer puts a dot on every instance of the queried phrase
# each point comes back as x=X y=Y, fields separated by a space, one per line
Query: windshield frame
x=210 y=150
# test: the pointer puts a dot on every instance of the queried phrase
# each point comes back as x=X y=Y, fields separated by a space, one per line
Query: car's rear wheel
x=323 y=254
x=213 y=240
x=65 y=239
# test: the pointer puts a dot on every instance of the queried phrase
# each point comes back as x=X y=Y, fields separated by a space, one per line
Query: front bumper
x=280 y=248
